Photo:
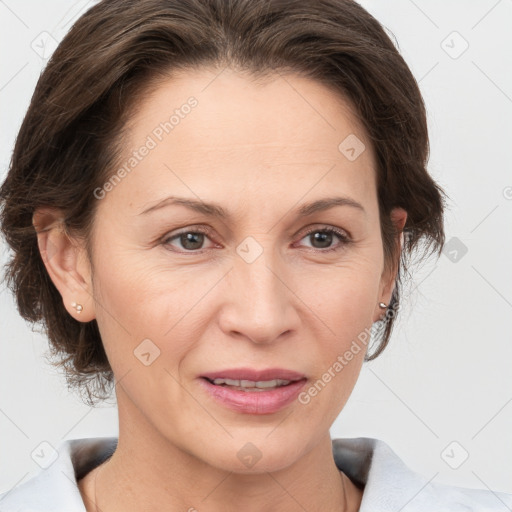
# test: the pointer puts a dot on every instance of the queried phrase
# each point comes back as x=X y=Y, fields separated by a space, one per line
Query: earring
x=78 y=307
x=382 y=305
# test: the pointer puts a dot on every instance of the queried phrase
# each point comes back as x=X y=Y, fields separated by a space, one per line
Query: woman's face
x=183 y=293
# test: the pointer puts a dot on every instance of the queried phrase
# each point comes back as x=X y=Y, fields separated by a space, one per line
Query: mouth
x=254 y=392
x=251 y=385
x=248 y=379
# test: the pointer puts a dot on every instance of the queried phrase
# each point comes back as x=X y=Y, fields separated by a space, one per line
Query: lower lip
x=255 y=402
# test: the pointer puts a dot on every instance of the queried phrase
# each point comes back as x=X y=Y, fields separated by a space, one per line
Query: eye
x=191 y=239
x=324 y=237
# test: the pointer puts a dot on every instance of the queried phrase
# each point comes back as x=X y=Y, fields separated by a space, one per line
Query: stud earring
x=78 y=307
x=382 y=305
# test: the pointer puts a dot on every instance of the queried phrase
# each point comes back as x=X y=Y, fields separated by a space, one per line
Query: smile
x=251 y=385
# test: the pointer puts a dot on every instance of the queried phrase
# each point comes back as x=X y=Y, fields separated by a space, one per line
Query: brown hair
x=70 y=139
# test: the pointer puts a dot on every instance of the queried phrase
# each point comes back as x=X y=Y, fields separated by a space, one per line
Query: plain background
x=441 y=393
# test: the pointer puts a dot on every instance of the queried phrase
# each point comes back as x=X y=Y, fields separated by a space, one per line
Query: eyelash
x=345 y=239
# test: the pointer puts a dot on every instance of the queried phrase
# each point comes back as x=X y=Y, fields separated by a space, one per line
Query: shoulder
x=390 y=485
x=55 y=488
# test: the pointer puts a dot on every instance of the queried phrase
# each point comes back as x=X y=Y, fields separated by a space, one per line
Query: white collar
x=390 y=486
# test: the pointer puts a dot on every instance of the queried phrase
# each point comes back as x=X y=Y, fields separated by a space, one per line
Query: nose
x=260 y=302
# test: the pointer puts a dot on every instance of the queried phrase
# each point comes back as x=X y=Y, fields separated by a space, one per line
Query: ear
x=66 y=261
x=388 y=278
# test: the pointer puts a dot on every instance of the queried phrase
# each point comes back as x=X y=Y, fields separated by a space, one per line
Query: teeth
x=246 y=384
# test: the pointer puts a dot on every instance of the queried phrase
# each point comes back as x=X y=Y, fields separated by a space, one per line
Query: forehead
x=224 y=126
x=248 y=109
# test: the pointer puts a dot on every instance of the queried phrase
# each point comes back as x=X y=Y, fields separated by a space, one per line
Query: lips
x=249 y=391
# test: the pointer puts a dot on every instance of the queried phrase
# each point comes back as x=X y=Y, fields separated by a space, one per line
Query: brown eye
x=189 y=240
x=322 y=239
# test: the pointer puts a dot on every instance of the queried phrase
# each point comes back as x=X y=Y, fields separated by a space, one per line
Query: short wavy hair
x=70 y=139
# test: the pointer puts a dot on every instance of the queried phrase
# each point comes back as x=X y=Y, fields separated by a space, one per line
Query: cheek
x=135 y=303
x=349 y=320
x=344 y=309
x=343 y=299
x=339 y=355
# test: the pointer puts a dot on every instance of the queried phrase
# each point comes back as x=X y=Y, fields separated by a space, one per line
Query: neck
x=125 y=488
x=148 y=469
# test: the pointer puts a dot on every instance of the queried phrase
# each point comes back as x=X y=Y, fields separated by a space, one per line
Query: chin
x=258 y=452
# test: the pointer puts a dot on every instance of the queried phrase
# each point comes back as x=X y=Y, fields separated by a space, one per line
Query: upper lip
x=254 y=375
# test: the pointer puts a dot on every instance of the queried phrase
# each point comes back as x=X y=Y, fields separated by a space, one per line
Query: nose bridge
x=261 y=309
x=261 y=278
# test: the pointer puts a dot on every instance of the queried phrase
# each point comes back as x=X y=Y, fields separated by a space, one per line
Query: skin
x=260 y=150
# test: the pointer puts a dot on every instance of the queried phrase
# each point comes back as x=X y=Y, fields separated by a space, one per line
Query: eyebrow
x=215 y=210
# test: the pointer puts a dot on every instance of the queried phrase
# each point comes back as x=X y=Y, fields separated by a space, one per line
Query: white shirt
x=389 y=485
